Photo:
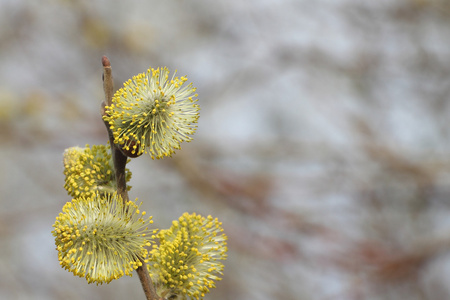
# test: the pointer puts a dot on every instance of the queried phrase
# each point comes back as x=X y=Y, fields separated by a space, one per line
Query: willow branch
x=120 y=161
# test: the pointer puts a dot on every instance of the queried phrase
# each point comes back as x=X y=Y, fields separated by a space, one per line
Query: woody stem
x=120 y=161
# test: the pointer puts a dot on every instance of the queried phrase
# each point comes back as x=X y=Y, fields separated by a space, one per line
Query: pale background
x=323 y=142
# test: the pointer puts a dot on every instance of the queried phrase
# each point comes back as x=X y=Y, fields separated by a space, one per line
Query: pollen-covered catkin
x=153 y=113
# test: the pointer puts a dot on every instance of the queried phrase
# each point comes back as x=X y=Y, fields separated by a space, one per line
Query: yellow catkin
x=188 y=260
x=89 y=170
x=153 y=113
x=100 y=239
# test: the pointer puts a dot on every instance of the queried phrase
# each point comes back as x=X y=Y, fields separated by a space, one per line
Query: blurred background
x=322 y=146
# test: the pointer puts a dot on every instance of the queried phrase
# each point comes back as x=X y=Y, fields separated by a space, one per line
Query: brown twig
x=120 y=161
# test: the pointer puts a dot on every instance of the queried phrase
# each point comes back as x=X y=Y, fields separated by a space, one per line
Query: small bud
x=105 y=61
x=131 y=150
